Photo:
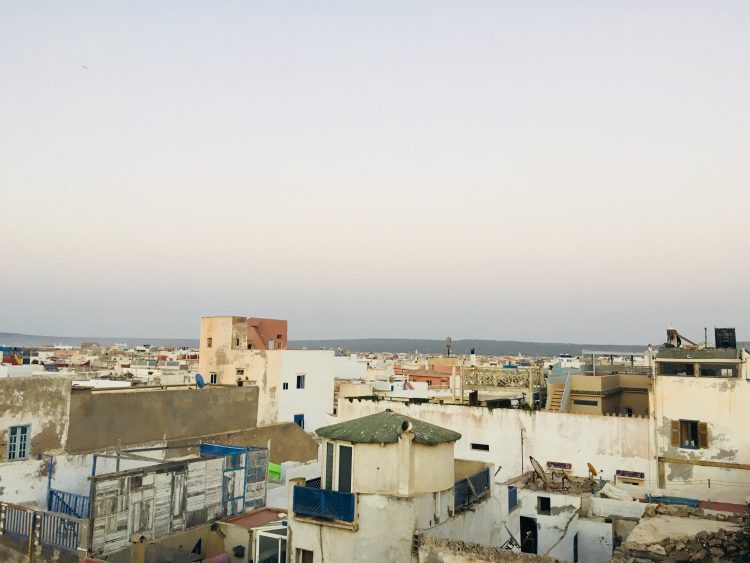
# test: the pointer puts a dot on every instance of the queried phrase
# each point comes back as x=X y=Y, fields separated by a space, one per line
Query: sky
x=546 y=171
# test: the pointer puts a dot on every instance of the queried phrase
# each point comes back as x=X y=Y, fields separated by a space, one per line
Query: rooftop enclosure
x=100 y=419
x=167 y=498
x=381 y=454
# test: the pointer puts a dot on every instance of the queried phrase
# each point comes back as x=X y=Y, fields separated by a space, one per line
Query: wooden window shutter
x=676 y=433
x=703 y=434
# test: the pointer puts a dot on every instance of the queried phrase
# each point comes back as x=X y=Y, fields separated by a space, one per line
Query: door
x=528 y=534
x=299 y=420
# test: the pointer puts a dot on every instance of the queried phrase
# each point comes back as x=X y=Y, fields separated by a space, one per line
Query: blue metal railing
x=18 y=521
x=673 y=500
x=59 y=532
x=470 y=490
x=68 y=503
x=321 y=503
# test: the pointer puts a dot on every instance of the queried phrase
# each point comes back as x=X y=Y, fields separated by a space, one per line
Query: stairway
x=553 y=403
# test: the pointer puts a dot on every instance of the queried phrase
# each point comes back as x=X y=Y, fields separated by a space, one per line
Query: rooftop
x=385 y=428
x=700 y=354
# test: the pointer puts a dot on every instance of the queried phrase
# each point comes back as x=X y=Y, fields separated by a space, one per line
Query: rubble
x=731 y=544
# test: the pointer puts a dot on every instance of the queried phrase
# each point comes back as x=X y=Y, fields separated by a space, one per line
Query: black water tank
x=725 y=338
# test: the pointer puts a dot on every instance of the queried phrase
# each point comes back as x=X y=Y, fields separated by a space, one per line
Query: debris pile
x=729 y=544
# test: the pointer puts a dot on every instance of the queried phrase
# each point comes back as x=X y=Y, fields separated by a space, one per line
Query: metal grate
x=68 y=503
x=321 y=503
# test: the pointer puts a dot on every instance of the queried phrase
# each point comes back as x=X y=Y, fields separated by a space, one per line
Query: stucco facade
x=716 y=465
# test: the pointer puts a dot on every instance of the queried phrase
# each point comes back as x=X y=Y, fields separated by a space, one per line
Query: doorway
x=528 y=535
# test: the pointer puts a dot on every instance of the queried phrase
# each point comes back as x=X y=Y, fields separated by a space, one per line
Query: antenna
x=448 y=344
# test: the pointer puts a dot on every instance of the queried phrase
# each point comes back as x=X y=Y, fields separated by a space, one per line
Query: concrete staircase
x=555 y=398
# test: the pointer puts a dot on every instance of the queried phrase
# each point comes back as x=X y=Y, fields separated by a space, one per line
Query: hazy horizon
x=510 y=171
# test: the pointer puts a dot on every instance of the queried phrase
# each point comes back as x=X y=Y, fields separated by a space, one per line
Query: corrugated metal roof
x=385 y=428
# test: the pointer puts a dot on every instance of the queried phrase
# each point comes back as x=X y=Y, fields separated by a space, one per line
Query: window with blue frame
x=299 y=420
x=18 y=442
x=512 y=497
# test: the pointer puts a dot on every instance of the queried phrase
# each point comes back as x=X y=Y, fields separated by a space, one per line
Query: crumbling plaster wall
x=101 y=420
x=723 y=404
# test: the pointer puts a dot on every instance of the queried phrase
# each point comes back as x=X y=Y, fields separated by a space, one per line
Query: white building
x=387 y=480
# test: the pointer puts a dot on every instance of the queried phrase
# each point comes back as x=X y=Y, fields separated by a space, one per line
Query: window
x=236 y=342
x=209 y=342
x=543 y=505
x=299 y=420
x=718 y=370
x=213 y=379
x=329 y=466
x=249 y=346
x=301 y=381
x=512 y=497
x=481 y=447
x=304 y=556
x=585 y=403
x=240 y=372
x=690 y=434
x=285 y=386
x=345 y=469
x=18 y=442
x=669 y=368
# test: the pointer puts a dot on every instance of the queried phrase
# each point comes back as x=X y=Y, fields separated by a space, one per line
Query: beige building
x=700 y=408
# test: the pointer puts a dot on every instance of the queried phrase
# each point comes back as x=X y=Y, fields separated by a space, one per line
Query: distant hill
x=395 y=345
x=487 y=347
x=15 y=339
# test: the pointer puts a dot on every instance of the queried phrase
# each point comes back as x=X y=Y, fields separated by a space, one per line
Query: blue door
x=299 y=420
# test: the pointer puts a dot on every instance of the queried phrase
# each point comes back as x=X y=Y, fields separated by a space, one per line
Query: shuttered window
x=345 y=469
x=329 y=466
x=691 y=434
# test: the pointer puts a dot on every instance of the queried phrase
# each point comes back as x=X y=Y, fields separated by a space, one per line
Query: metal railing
x=48 y=529
x=68 y=503
x=59 y=531
x=320 y=503
x=472 y=489
x=17 y=521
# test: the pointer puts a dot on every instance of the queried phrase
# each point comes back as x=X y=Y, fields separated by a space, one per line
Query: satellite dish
x=199 y=381
x=592 y=471
x=539 y=471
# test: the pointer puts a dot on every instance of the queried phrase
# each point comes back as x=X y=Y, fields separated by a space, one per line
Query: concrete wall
x=42 y=402
x=384 y=469
x=102 y=419
x=349 y=367
x=723 y=404
x=595 y=540
x=287 y=441
x=610 y=443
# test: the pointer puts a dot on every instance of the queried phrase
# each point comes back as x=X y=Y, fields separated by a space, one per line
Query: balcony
x=472 y=489
x=321 y=503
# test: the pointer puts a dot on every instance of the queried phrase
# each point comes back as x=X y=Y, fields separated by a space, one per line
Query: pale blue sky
x=513 y=170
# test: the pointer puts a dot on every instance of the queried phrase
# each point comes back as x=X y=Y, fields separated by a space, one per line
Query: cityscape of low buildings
x=245 y=449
